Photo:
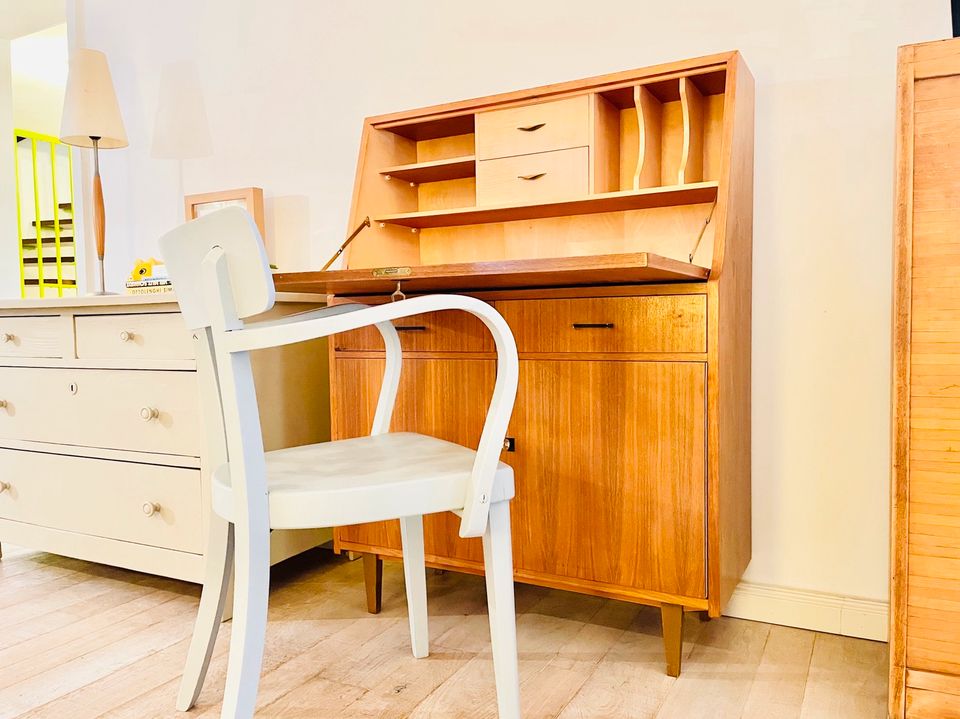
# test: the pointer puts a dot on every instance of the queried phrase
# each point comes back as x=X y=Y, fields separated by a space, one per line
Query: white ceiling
x=22 y=17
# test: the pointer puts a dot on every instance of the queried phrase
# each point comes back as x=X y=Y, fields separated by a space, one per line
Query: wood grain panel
x=657 y=323
x=120 y=488
x=102 y=408
x=923 y=704
x=429 y=332
x=158 y=335
x=612 y=491
x=540 y=177
x=539 y=127
x=925 y=561
x=442 y=398
x=31 y=337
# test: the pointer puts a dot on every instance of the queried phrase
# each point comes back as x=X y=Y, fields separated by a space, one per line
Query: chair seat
x=366 y=479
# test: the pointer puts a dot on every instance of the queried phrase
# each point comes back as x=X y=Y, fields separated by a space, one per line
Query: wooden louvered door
x=925 y=606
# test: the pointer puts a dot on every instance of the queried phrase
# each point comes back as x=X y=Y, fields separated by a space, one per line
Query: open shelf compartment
x=653 y=197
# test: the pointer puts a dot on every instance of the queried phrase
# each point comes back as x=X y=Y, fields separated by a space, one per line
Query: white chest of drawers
x=101 y=435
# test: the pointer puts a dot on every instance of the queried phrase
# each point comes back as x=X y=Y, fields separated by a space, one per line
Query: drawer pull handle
x=593 y=325
x=4 y=486
x=149 y=413
x=126 y=336
x=410 y=328
x=536 y=176
x=7 y=337
x=532 y=128
x=151 y=508
x=3 y=404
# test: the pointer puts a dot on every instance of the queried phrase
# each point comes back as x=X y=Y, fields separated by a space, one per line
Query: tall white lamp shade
x=91 y=118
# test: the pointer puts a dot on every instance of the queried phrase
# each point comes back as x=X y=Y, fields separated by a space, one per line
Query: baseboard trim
x=820 y=611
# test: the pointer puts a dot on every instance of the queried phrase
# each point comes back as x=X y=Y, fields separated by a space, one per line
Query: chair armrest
x=350 y=317
x=391 y=342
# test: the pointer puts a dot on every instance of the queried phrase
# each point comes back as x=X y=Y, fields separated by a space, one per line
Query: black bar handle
x=410 y=328
x=593 y=325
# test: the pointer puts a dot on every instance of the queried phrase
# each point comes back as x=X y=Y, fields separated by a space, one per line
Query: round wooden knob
x=4 y=486
x=3 y=403
x=7 y=337
x=126 y=336
x=148 y=413
x=151 y=508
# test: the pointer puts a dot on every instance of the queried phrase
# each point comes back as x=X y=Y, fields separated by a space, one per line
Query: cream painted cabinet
x=101 y=438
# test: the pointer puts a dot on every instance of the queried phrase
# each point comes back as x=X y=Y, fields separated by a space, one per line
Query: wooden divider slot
x=649 y=115
x=692 y=105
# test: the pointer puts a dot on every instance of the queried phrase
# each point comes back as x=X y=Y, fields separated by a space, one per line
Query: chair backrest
x=231 y=421
x=184 y=248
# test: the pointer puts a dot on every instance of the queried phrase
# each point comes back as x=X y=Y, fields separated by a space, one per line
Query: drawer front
x=429 y=332
x=146 y=504
x=135 y=336
x=146 y=411
x=546 y=126
x=541 y=177
x=655 y=323
x=31 y=337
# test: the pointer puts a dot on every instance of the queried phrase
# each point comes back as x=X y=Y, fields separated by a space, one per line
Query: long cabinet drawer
x=430 y=332
x=146 y=504
x=133 y=336
x=140 y=410
x=540 y=177
x=31 y=337
x=653 y=323
x=545 y=126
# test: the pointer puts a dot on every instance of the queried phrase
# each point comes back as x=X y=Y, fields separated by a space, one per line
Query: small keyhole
x=73 y=388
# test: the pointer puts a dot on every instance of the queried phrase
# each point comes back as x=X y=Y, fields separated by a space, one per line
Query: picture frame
x=249 y=198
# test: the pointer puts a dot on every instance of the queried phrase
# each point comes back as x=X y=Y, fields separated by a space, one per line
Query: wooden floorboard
x=86 y=641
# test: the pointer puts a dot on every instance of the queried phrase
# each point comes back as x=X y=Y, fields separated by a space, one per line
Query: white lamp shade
x=90 y=107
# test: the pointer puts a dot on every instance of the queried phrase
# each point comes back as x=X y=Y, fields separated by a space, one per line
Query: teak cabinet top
x=642 y=175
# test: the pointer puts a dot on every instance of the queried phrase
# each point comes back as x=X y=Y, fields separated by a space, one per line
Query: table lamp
x=91 y=118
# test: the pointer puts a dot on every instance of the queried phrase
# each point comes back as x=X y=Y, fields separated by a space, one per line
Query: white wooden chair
x=220 y=271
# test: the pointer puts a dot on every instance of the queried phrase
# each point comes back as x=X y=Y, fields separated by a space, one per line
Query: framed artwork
x=249 y=198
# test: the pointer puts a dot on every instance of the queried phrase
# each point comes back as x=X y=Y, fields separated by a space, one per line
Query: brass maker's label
x=392 y=272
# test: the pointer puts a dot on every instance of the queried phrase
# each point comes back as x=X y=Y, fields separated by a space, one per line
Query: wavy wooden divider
x=691 y=162
x=649 y=111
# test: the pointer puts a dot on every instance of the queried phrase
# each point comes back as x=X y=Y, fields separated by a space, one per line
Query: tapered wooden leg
x=216 y=583
x=671 y=616
x=373 y=582
x=250 y=593
x=498 y=567
x=415 y=580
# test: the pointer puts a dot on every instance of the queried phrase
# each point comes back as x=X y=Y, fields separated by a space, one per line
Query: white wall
x=39 y=68
x=286 y=86
x=9 y=255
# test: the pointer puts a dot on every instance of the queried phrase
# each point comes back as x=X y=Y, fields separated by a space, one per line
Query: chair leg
x=415 y=579
x=218 y=564
x=498 y=566
x=250 y=592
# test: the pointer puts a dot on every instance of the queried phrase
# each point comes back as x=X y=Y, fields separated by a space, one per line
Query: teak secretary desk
x=609 y=220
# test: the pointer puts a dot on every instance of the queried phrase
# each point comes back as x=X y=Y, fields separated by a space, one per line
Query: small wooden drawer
x=430 y=332
x=556 y=125
x=135 y=336
x=142 y=503
x=655 y=323
x=31 y=337
x=541 y=177
x=144 y=411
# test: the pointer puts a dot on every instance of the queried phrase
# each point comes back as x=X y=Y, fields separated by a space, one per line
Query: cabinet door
x=932 y=424
x=445 y=398
x=611 y=473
